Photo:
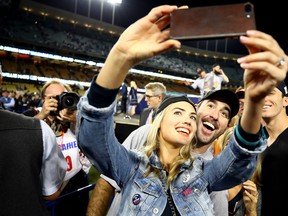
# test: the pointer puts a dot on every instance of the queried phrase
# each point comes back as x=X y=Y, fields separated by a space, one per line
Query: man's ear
x=285 y=103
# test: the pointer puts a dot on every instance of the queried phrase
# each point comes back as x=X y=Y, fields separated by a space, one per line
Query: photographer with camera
x=59 y=112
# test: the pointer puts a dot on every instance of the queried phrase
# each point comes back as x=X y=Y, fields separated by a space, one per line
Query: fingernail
x=244 y=38
x=243 y=65
x=250 y=32
x=240 y=60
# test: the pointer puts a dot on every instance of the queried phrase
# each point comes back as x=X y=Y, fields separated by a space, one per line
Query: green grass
x=93 y=175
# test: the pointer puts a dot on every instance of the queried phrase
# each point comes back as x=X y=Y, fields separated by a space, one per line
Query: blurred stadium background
x=38 y=42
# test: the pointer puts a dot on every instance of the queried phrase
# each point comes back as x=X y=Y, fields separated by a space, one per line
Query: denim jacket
x=146 y=195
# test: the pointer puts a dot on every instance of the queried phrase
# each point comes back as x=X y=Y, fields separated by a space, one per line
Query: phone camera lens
x=248 y=10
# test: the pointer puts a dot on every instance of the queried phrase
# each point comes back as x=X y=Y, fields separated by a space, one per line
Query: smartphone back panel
x=212 y=21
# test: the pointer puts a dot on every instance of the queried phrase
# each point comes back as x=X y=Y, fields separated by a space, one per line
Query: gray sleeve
x=219 y=198
x=137 y=138
x=53 y=162
x=220 y=202
x=195 y=84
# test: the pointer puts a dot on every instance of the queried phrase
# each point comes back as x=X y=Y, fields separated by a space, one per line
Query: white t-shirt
x=68 y=144
x=213 y=82
x=199 y=83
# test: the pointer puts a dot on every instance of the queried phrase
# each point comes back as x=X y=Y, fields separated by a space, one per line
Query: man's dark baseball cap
x=226 y=96
x=240 y=93
x=284 y=89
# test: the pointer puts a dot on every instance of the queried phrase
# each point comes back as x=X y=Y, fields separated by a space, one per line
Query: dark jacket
x=143 y=116
x=21 y=150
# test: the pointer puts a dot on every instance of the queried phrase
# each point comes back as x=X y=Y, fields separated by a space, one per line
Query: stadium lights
x=114 y=1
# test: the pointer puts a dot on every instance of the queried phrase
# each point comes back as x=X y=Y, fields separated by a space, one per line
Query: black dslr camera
x=66 y=100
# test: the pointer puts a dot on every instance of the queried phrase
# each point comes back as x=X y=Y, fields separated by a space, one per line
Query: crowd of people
x=223 y=155
x=19 y=100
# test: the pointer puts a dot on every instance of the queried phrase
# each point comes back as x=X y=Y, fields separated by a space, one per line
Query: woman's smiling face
x=178 y=125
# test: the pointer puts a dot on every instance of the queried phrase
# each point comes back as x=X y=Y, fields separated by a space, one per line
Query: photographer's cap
x=226 y=96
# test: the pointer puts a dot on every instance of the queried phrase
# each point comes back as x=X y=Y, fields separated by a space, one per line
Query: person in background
x=63 y=122
x=18 y=108
x=275 y=157
x=1 y=77
x=32 y=166
x=7 y=101
x=99 y=119
x=240 y=92
x=215 y=78
x=124 y=95
x=199 y=82
x=34 y=101
x=249 y=202
x=275 y=119
x=243 y=199
x=132 y=98
x=155 y=92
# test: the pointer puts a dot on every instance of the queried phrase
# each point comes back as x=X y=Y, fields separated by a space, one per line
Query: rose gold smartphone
x=212 y=21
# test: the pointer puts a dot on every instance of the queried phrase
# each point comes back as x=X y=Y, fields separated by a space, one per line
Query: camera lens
x=69 y=100
x=248 y=10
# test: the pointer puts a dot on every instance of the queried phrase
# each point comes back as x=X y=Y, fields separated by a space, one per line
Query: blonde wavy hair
x=153 y=144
